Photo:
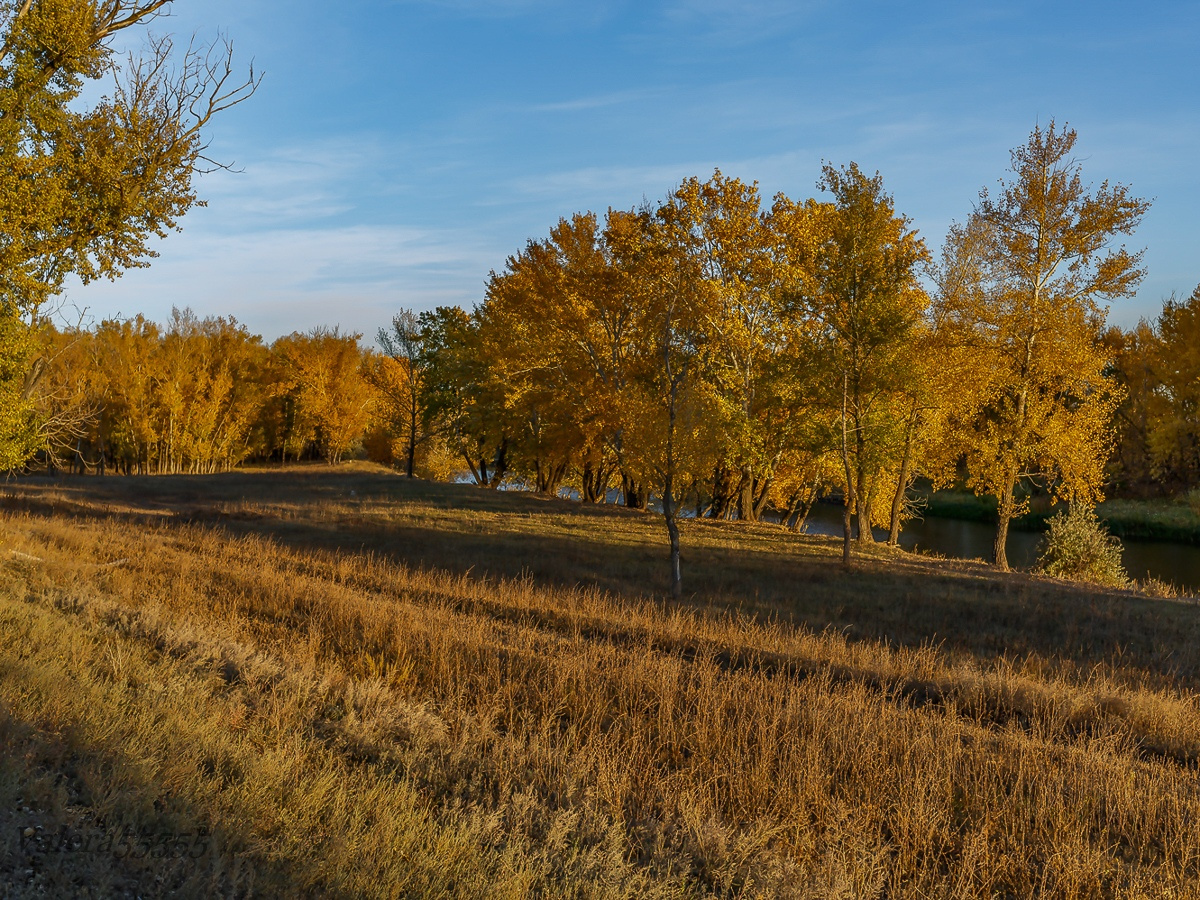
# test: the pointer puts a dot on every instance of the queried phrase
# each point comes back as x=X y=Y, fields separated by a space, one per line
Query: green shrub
x=1079 y=547
x=1192 y=499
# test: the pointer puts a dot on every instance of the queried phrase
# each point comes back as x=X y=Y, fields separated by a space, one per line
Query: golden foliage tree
x=398 y=378
x=731 y=244
x=136 y=397
x=1158 y=364
x=462 y=394
x=868 y=305
x=84 y=186
x=679 y=425
x=1030 y=270
x=525 y=324
x=327 y=399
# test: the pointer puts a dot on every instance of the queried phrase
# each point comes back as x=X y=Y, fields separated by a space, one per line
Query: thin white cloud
x=283 y=280
x=599 y=101
x=293 y=184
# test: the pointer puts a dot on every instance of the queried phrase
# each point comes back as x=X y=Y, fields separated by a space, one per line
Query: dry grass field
x=338 y=683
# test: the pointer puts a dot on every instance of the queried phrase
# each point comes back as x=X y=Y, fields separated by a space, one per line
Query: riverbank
x=334 y=681
x=1154 y=520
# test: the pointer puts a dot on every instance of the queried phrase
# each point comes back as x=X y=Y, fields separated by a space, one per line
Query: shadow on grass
x=57 y=840
x=758 y=570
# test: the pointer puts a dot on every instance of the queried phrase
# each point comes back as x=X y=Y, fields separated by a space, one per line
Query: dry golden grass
x=368 y=687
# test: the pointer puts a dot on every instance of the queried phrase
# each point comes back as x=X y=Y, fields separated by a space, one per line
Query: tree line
x=91 y=171
x=711 y=355
x=198 y=395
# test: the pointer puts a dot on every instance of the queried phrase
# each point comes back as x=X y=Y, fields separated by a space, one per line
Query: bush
x=1192 y=499
x=1079 y=547
x=1157 y=587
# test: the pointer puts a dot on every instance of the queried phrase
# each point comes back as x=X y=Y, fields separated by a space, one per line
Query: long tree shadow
x=54 y=841
x=903 y=600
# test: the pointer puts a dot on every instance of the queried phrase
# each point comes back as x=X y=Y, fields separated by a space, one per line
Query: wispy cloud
x=293 y=184
x=545 y=10
x=599 y=101
x=277 y=281
x=741 y=21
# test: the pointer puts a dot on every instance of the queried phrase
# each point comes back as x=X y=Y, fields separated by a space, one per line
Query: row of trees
x=708 y=353
x=1158 y=425
x=201 y=396
x=709 y=350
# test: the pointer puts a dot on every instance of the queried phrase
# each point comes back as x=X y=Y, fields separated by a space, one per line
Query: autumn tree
x=679 y=429
x=64 y=384
x=130 y=377
x=1175 y=433
x=802 y=421
x=1158 y=365
x=560 y=327
x=594 y=308
x=462 y=395
x=211 y=381
x=867 y=301
x=1033 y=265
x=1135 y=358
x=19 y=426
x=399 y=379
x=184 y=398
x=327 y=398
x=731 y=244
x=522 y=321
x=85 y=185
x=920 y=406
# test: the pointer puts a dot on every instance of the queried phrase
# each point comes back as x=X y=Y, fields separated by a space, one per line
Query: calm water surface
x=1176 y=563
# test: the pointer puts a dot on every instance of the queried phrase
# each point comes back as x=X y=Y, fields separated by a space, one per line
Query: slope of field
x=319 y=682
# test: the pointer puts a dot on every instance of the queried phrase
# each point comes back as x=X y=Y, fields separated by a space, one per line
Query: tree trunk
x=594 y=483
x=722 y=496
x=763 y=491
x=745 y=497
x=801 y=507
x=864 y=494
x=479 y=476
x=848 y=494
x=902 y=485
x=587 y=493
x=847 y=526
x=549 y=477
x=669 y=505
x=1000 y=550
x=791 y=517
x=499 y=465
x=670 y=510
x=633 y=493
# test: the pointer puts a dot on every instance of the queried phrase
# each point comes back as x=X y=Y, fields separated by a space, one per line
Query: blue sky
x=400 y=149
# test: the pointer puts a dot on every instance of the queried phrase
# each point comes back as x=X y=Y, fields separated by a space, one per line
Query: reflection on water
x=1172 y=562
x=1177 y=563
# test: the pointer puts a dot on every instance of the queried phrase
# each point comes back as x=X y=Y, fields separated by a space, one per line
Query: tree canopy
x=707 y=355
x=1030 y=269
x=84 y=187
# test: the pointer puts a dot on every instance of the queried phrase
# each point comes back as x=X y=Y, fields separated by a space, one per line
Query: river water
x=1172 y=562
x=1178 y=564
